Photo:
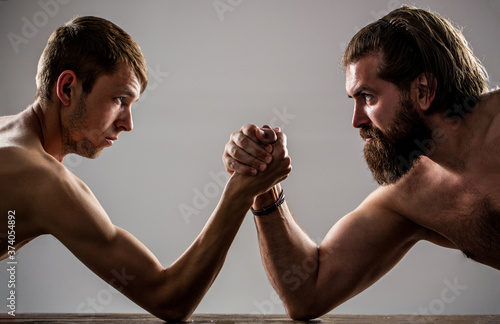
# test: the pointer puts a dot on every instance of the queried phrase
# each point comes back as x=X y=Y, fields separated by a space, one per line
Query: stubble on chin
x=76 y=127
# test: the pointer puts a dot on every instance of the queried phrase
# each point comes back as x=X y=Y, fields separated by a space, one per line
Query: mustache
x=373 y=133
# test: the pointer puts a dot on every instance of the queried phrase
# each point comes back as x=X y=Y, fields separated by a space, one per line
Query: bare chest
x=475 y=230
x=465 y=214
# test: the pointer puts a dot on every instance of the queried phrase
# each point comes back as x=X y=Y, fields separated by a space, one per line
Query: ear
x=426 y=85
x=65 y=87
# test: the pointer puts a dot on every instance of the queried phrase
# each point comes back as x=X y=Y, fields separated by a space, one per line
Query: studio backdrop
x=215 y=65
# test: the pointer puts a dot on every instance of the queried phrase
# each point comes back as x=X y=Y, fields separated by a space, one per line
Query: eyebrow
x=128 y=93
x=359 y=90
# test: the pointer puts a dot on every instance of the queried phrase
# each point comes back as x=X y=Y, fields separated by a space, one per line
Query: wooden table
x=243 y=318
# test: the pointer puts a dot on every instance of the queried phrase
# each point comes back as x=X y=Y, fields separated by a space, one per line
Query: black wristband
x=270 y=208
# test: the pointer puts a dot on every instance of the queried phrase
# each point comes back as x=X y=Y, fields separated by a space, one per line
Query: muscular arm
x=357 y=251
x=70 y=212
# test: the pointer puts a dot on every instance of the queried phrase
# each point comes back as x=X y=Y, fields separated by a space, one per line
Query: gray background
x=264 y=62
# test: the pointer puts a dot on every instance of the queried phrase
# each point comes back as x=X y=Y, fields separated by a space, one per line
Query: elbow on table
x=304 y=311
x=170 y=300
x=172 y=314
x=172 y=310
x=303 y=315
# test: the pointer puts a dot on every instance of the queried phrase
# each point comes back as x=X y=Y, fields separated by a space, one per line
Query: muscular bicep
x=361 y=248
x=74 y=216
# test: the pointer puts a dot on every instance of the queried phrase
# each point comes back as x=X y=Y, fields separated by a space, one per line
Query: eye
x=119 y=100
x=367 y=96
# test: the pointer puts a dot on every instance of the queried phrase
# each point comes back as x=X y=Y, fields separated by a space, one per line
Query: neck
x=457 y=142
x=48 y=129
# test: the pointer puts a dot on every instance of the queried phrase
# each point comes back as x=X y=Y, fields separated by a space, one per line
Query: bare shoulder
x=382 y=210
x=415 y=200
x=51 y=198
x=67 y=206
x=489 y=103
x=6 y=119
x=493 y=96
x=490 y=106
x=46 y=196
x=24 y=173
x=388 y=198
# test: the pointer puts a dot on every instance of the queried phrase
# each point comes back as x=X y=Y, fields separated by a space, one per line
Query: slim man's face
x=98 y=118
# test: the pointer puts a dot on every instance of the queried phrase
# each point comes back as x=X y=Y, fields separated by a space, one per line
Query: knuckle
x=227 y=147
x=255 y=163
x=232 y=151
x=280 y=153
x=238 y=156
x=261 y=156
x=231 y=165
x=287 y=169
x=243 y=140
x=282 y=139
x=248 y=128
x=233 y=135
x=238 y=167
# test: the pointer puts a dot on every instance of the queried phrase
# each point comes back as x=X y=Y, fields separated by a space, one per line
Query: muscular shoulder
x=491 y=97
x=406 y=196
x=413 y=200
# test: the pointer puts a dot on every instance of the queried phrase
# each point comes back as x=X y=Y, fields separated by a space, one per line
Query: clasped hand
x=259 y=155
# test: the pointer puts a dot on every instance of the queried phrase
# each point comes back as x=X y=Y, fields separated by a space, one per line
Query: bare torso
x=462 y=213
x=23 y=158
x=461 y=207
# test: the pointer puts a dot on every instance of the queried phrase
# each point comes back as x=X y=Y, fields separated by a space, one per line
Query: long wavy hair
x=415 y=41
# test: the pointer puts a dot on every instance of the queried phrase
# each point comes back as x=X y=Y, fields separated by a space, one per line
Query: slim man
x=89 y=75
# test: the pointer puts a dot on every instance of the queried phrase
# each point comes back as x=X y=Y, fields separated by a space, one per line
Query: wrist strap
x=267 y=210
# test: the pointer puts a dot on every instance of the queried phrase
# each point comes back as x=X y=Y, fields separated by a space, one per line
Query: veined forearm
x=289 y=255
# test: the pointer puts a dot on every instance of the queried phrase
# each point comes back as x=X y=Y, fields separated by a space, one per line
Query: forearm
x=195 y=271
x=290 y=257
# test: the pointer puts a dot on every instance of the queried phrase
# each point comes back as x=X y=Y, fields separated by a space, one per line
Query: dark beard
x=390 y=156
x=77 y=121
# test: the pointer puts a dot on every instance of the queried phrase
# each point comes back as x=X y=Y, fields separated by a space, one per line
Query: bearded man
x=422 y=106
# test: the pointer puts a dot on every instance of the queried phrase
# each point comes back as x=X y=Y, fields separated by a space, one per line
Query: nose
x=359 y=117
x=124 y=121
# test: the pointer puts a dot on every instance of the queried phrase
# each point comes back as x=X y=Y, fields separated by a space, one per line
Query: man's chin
x=390 y=173
x=386 y=179
x=85 y=149
x=94 y=155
